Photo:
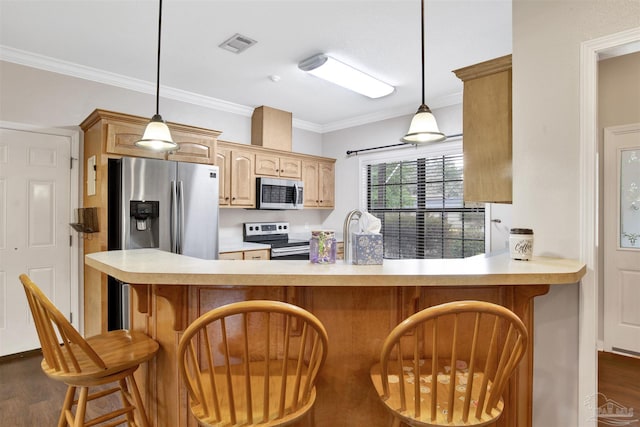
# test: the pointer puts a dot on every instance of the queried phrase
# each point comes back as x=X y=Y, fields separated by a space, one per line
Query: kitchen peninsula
x=358 y=304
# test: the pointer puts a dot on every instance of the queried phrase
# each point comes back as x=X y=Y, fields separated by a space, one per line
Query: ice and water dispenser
x=144 y=226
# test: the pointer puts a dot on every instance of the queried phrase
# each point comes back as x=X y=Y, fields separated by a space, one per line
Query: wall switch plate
x=91 y=176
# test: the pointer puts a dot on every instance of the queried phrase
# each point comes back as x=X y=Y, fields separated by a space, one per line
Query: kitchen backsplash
x=300 y=222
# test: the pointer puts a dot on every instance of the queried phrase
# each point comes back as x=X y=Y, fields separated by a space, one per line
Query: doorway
x=589 y=317
x=38 y=192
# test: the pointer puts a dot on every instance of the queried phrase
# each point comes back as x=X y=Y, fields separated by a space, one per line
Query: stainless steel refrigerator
x=172 y=206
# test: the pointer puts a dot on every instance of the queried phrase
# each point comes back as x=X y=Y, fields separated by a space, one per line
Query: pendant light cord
x=422 y=38
x=158 y=67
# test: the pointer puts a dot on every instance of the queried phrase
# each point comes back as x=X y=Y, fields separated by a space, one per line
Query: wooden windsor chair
x=448 y=365
x=82 y=364
x=252 y=363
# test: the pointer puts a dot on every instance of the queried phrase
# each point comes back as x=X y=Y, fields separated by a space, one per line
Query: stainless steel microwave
x=276 y=193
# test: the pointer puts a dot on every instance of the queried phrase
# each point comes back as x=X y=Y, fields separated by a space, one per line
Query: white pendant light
x=156 y=135
x=423 y=128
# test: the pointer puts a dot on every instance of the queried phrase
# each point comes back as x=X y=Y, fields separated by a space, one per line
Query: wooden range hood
x=271 y=128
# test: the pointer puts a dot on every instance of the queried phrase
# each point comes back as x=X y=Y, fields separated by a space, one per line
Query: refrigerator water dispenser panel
x=144 y=228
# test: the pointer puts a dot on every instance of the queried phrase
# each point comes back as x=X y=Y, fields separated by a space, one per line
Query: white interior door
x=35 y=179
x=622 y=239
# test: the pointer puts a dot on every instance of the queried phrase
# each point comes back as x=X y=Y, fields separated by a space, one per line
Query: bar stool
x=81 y=363
x=252 y=363
x=448 y=365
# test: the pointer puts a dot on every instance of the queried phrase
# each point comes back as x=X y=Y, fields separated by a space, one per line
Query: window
x=421 y=208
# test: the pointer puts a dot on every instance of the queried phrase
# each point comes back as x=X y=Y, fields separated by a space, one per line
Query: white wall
x=547 y=37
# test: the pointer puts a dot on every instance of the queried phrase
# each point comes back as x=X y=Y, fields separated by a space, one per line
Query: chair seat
x=426 y=385
x=449 y=364
x=252 y=363
x=257 y=386
x=120 y=350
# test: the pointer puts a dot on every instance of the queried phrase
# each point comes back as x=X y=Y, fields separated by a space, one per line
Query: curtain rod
x=403 y=144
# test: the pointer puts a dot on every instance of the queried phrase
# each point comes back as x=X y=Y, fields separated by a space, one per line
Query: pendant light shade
x=156 y=135
x=423 y=128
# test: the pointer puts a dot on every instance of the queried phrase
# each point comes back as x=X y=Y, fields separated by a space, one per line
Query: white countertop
x=152 y=266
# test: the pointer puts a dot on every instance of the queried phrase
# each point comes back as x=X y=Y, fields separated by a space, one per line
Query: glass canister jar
x=322 y=247
x=521 y=243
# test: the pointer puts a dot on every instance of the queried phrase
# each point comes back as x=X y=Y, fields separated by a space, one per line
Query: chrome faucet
x=354 y=215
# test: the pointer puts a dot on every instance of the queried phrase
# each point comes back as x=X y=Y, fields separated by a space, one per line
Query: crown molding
x=54 y=65
x=445 y=101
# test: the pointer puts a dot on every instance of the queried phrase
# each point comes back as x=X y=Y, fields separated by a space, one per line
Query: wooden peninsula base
x=359 y=305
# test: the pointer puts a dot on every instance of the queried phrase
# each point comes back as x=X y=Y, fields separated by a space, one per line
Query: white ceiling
x=116 y=40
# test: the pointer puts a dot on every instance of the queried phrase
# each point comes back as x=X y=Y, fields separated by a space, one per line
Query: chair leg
x=395 y=422
x=125 y=399
x=144 y=422
x=78 y=420
x=66 y=406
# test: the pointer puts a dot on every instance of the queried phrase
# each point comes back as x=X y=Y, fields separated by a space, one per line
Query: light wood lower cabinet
x=340 y=250
x=263 y=254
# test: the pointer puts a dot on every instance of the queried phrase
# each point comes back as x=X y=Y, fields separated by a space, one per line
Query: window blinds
x=420 y=204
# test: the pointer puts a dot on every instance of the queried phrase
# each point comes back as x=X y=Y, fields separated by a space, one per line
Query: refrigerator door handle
x=180 y=217
x=173 y=221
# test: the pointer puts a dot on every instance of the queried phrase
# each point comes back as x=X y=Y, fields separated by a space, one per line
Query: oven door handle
x=292 y=250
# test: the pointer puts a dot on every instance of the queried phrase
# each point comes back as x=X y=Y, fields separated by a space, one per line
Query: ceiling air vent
x=237 y=43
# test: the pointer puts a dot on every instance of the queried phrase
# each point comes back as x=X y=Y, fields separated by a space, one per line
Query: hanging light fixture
x=423 y=128
x=156 y=135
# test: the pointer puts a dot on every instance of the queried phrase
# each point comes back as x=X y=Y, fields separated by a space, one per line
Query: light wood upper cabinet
x=240 y=164
x=242 y=179
x=487 y=130
x=319 y=183
x=223 y=161
x=196 y=145
x=237 y=179
x=121 y=139
x=194 y=148
x=278 y=166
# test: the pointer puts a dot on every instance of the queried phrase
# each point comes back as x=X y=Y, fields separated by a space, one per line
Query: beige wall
x=42 y=98
x=618 y=104
x=547 y=37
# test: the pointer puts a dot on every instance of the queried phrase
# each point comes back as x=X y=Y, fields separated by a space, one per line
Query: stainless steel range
x=276 y=234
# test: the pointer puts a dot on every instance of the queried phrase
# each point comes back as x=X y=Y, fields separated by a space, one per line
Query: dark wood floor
x=619 y=381
x=29 y=398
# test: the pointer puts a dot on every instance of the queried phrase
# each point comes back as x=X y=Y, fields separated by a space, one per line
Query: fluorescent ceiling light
x=344 y=75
